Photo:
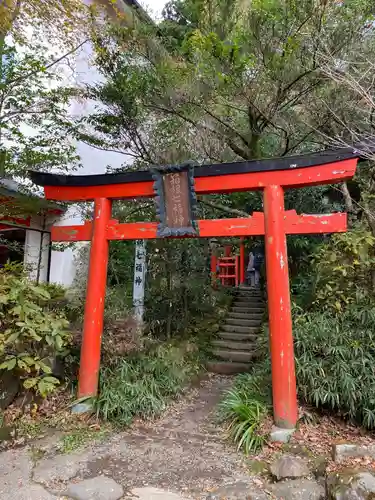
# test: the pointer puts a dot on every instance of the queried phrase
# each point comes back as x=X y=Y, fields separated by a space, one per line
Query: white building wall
x=63 y=263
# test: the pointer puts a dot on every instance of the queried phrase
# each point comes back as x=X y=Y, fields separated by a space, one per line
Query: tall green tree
x=37 y=38
x=62 y=20
x=33 y=112
x=240 y=81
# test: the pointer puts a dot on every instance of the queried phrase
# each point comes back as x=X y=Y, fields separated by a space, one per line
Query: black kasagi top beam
x=241 y=167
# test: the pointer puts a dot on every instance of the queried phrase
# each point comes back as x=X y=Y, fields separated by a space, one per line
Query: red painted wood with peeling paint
x=94 y=306
x=252 y=226
x=323 y=174
x=280 y=321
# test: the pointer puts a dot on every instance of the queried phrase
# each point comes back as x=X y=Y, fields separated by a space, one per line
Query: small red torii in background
x=254 y=226
x=271 y=176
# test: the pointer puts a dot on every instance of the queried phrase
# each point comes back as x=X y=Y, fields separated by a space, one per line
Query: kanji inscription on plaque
x=175 y=199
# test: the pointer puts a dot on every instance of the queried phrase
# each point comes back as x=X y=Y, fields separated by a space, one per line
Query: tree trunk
x=254 y=146
x=223 y=208
x=347 y=198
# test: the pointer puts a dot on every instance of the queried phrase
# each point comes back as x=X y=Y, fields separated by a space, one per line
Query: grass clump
x=335 y=358
x=141 y=385
x=244 y=407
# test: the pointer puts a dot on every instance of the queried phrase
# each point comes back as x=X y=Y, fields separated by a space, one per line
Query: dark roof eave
x=266 y=165
x=12 y=189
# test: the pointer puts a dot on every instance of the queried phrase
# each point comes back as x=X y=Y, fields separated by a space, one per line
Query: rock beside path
x=60 y=468
x=298 y=489
x=351 y=485
x=289 y=466
x=153 y=494
x=239 y=490
x=96 y=488
x=342 y=451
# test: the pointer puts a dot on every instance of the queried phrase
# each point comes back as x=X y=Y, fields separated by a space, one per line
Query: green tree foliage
x=37 y=40
x=60 y=21
x=343 y=269
x=240 y=83
x=30 y=334
x=352 y=103
x=179 y=292
x=33 y=112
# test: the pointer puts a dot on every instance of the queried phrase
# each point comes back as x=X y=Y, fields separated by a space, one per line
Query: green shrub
x=335 y=359
x=342 y=269
x=244 y=407
x=30 y=335
x=141 y=385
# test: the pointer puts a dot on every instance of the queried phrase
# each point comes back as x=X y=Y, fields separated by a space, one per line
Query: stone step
x=254 y=302
x=227 y=367
x=243 y=322
x=238 y=356
x=245 y=315
x=238 y=336
x=240 y=329
x=234 y=346
x=249 y=305
x=245 y=303
x=249 y=294
x=249 y=297
x=255 y=291
x=253 y=310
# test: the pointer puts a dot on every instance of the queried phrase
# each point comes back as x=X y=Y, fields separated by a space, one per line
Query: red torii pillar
x=276 y=223
x=95 y=297
x=280 y=318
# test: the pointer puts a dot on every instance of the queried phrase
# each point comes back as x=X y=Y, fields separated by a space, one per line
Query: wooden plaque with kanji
x=176 y=201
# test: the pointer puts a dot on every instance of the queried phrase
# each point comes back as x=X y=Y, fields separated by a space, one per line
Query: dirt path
x=184 y=452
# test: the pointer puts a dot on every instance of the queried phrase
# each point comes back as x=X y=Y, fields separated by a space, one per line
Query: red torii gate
x=271 y=176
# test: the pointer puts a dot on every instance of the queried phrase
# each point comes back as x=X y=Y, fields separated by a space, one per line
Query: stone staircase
x=234 y=347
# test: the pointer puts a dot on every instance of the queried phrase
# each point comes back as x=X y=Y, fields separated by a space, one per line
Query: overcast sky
x=153 y=7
